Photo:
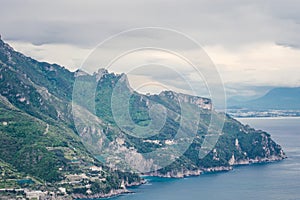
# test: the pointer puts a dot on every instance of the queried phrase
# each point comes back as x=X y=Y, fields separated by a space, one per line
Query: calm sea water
x=275 y=181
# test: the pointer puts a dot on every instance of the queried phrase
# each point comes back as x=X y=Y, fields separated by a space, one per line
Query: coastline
x=198 y=172
x=112 y=193
x=173 y=174
x=247 y=173
x=279 y=117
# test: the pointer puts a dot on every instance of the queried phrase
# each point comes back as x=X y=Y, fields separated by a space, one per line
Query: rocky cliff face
x=201 y=102
x=238 y=143
x=40 y=125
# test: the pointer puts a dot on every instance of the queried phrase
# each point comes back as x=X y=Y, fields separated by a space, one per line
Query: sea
x=272 y=181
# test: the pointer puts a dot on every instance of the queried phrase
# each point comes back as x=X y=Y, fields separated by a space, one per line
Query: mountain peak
x=100 y=73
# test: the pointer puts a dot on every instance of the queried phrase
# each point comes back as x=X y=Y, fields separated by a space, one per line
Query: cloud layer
x=253 y=43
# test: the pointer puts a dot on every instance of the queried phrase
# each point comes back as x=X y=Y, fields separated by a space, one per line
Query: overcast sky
x=254 y=44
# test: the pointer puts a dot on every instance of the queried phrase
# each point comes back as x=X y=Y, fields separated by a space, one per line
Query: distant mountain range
x=42 y=149
x=283 y=98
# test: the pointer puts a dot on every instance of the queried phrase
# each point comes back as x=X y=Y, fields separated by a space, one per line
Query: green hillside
x=43 y=143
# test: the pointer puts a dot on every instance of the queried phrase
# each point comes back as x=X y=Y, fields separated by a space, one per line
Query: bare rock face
x=47 y=127
x=201 y=102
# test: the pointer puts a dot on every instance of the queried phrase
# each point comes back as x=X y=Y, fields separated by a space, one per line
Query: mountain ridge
x=281 y=98
x=41 y=134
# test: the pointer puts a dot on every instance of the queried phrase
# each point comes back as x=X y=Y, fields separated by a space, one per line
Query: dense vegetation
x=39 y=139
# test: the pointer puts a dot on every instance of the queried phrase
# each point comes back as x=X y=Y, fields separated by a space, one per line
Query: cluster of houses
x=78 y=180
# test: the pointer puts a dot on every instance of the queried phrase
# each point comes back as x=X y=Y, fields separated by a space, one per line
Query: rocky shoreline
x=182 y=174
x=175 y=174
x=198 y=172
x=188 y=173
x=136 y=183
x=101 y=195
x=112 y=193
x=259 y=160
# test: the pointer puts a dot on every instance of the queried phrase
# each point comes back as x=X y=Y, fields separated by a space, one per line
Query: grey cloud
x=229 y=23
x=295 y=46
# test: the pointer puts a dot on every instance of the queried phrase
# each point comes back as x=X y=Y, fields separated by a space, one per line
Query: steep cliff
x=40 y=137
